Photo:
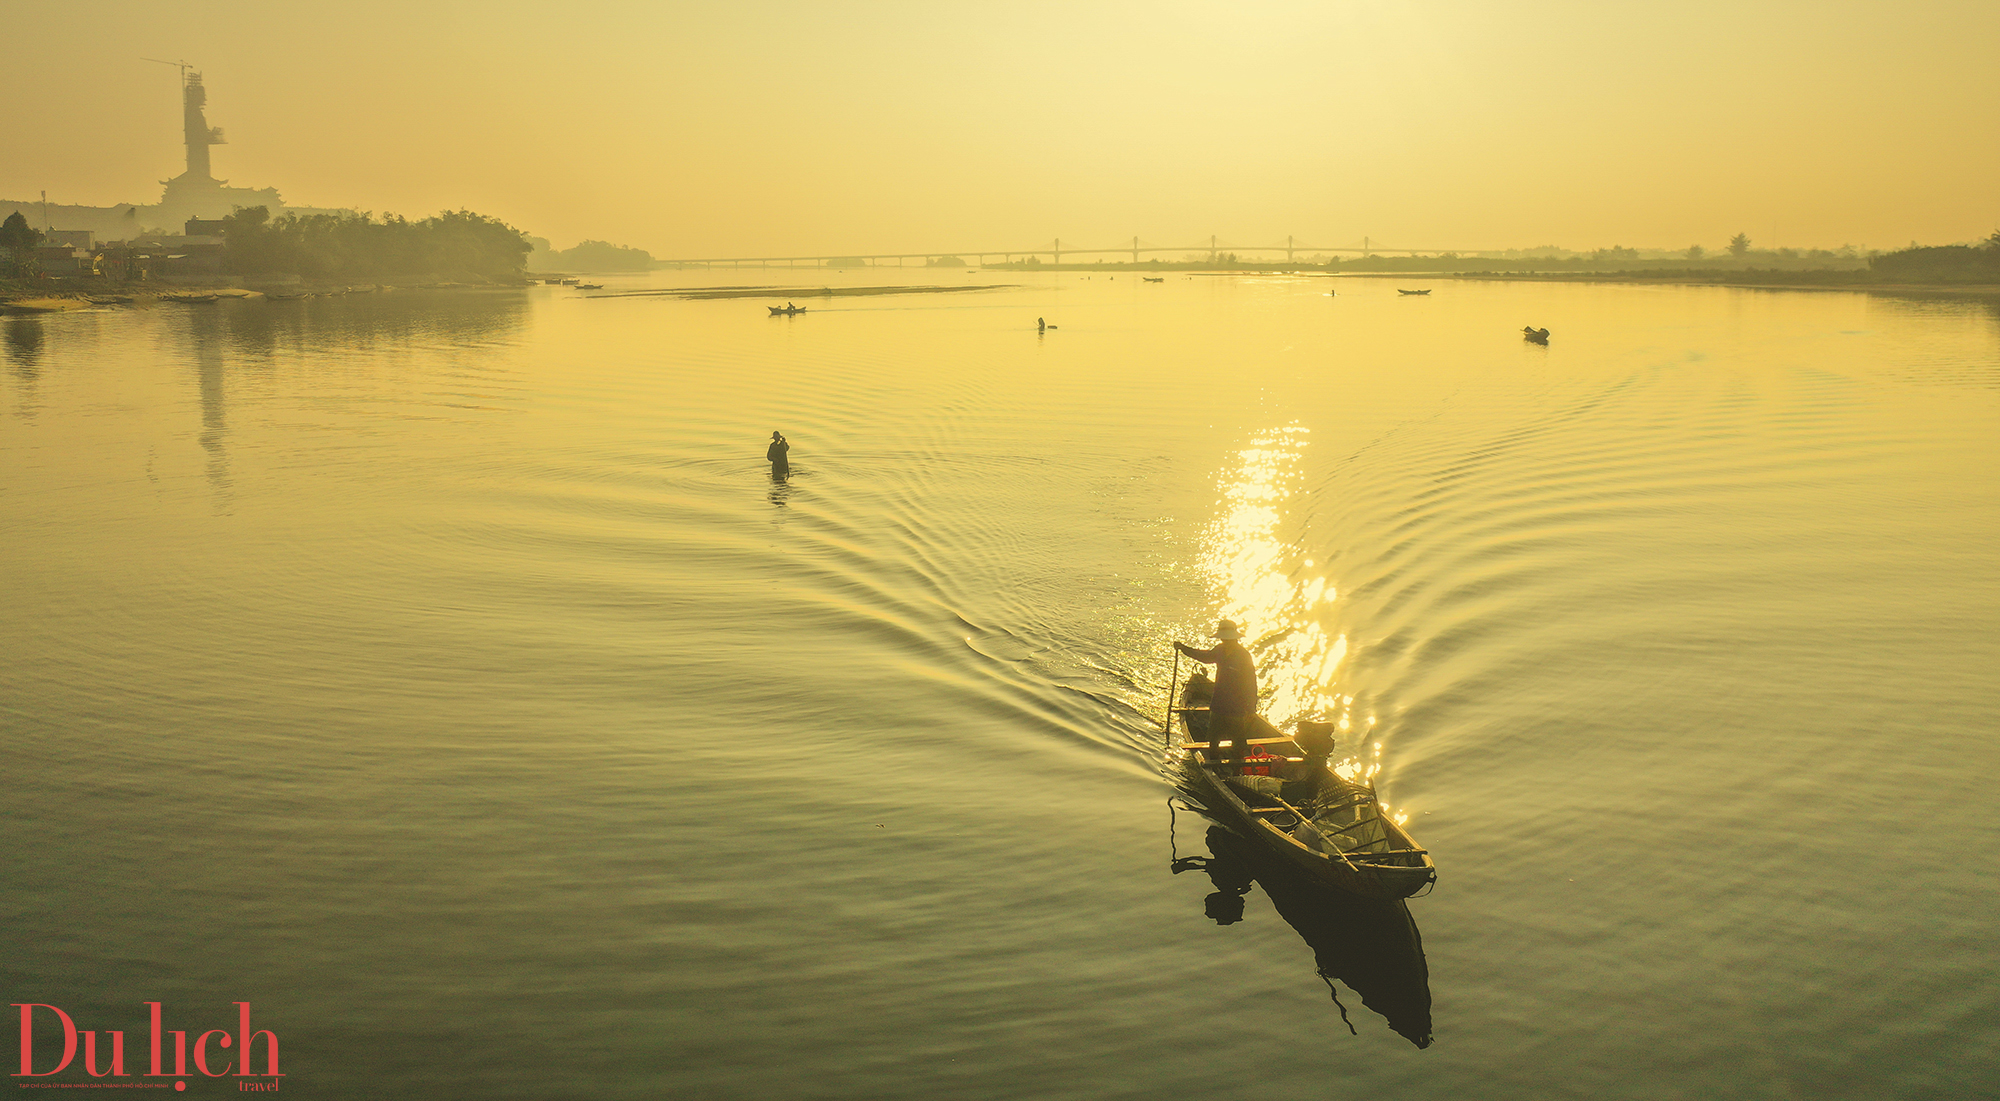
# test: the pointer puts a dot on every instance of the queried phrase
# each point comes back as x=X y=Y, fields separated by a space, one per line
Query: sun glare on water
x=1278 y=596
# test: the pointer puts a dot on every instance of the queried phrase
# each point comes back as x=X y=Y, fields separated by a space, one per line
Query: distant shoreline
x=37 y=301
x=1975 y=290
x=794 y=292
x=1803 y=279
x=17 y=300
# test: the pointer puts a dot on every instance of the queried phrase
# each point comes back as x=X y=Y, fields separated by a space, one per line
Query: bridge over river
x=1055 y=252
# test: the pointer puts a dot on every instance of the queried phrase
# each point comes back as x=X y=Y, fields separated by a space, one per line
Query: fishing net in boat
x=1351 y=825
x=1257 y=785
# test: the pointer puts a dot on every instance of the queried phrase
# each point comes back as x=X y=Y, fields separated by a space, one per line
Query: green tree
x=454 y=244
x=605 y=256
x=1739 y=245
x=249 y=242
x=1695 y=252
x=1941 y=264
x=16 y=234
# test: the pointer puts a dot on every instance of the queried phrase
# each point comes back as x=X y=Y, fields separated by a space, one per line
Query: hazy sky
x=743 y=128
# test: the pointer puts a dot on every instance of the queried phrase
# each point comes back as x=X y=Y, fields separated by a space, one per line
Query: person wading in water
x=781 y=467
x=1234 y=703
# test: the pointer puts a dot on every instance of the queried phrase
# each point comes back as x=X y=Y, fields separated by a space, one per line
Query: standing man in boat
x=781 y=465
x=1235 y=701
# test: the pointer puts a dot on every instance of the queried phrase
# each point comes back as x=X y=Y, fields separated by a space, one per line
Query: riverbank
x=40 y=298
x=1775 y=280
x=1808 y=279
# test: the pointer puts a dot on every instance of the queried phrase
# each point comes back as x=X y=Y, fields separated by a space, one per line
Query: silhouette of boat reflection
x=1371 y=945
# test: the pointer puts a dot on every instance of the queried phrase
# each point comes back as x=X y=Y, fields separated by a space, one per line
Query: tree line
x=1978 y=263
x=457 y=245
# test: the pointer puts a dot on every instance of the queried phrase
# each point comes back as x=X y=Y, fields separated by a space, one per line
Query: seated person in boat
x=1234 y=703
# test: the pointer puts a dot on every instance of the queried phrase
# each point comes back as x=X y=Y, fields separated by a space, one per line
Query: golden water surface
x=445 y=675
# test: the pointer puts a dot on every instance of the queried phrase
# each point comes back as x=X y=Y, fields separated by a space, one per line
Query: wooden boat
x=1288 y=800
x=1152 y=279
x=1400 y=290
x=785 y=311
x=1539 y=336
x=590 y=286
x=190 y=299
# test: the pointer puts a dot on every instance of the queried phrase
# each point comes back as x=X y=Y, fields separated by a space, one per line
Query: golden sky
x=748 y=128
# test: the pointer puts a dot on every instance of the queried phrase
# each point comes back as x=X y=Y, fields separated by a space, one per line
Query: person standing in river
x=1234 y=703
x=781 y=466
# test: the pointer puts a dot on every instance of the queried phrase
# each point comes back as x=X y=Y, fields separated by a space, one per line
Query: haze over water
x=789 y=128
x=445 y=676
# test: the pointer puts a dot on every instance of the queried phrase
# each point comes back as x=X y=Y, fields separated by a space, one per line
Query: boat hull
x=1353 y=875
x=1383 y=874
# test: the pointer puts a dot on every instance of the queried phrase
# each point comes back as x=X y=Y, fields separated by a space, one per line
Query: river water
x=444 y=675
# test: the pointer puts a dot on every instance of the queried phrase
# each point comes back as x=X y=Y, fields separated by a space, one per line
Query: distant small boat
x=1154 y=279
x=1400 y=290
x=1539 y=336
x=785 y=310
x=293 y=297
x=190 y=299
x=109 y=299
x=590 y=286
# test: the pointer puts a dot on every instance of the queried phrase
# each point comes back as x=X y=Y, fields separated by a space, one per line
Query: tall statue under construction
x=200 y=135
x=196 y=193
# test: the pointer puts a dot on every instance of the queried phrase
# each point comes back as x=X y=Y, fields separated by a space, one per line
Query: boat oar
x=1167 y=720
